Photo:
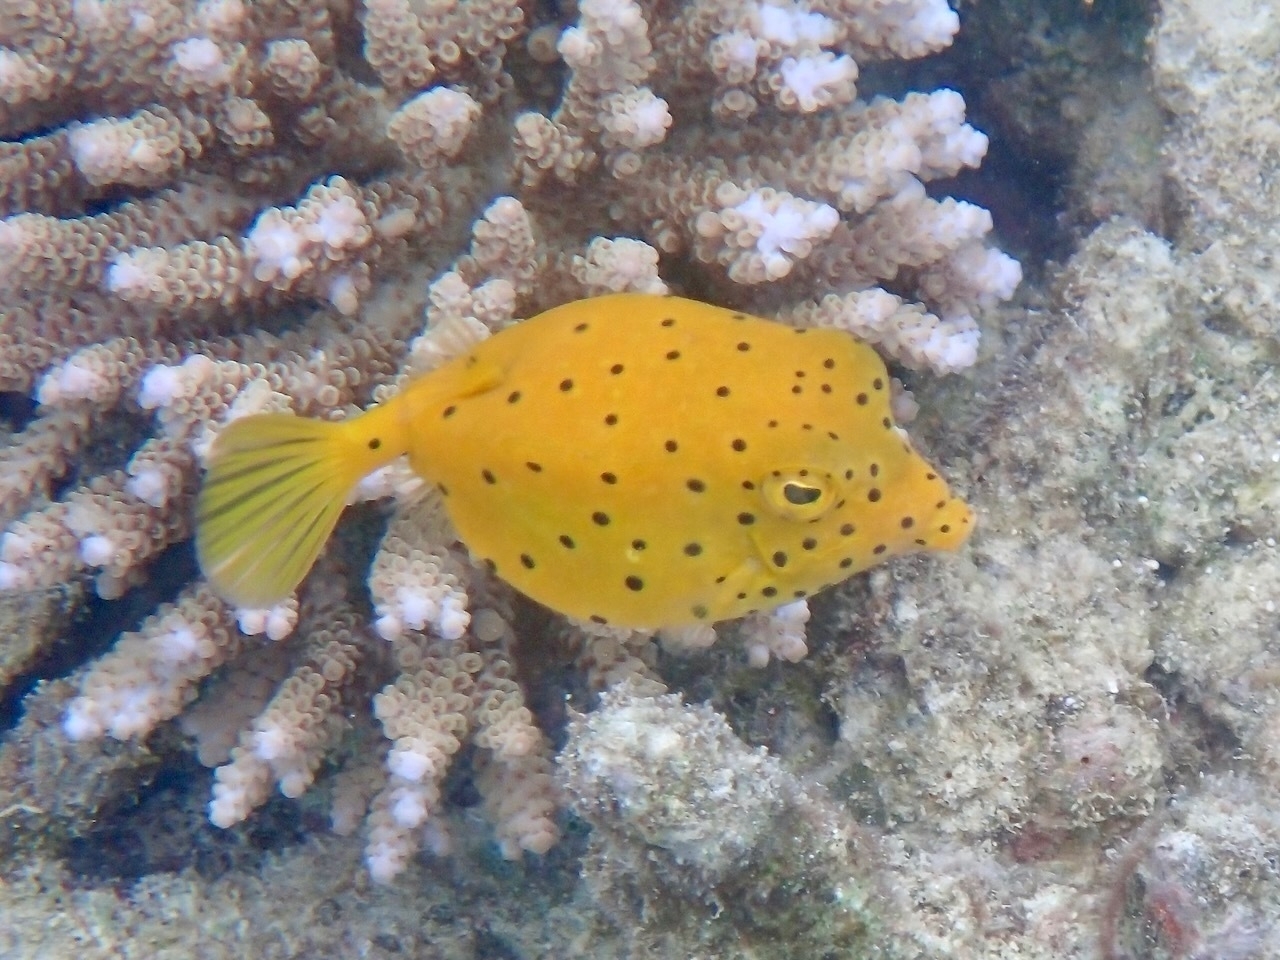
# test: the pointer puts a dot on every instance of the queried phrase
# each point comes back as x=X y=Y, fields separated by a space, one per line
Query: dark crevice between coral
x=96 y=624
x=17 y=410
x=552 y=684
x=1012 y=61
x=115 y=438
x=1024 y=191
x=161 y=828
x=489 y=945
x=1199 y=742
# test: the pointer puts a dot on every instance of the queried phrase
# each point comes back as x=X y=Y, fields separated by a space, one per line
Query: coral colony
x=211 y=210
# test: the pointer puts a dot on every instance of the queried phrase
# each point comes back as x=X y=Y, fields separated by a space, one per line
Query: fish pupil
x=800 y=494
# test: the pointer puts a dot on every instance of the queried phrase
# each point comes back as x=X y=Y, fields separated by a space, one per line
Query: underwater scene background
x=1053 y=219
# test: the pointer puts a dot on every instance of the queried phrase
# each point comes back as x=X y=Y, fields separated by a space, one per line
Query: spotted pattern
x=627 y=467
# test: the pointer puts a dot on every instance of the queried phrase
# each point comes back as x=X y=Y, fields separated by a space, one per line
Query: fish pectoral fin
x=479 y=376
x=763 y=557
x=745 y=578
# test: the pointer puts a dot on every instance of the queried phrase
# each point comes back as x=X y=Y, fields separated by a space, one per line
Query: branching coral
x=213 y=208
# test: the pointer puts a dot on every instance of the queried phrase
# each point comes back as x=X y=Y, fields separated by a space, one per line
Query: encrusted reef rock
x=698 y=838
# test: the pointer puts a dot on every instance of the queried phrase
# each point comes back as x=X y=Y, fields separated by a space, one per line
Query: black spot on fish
x=579 y=328
x=862 y=399
x=779 y=558
x=638 y=545
x=877 y=383
x=567 y=541
x=535 y=467
x=879 y=549
x=608 y=477
x=671 y=446
x=527 y=561
x=669 y=322
x=746 y=519
x=616 y=369
x=600 y=518
x=696 y=485
x=722 y=391
x=908 y=523
x=699 y=612
x=566 y=385
x=770 y=591
x=873 y=495
x=846 y=563
x=846 y=530
x=611 y=420
x=488 y=476
x=744 y=346
x=449 y=411
x=375 y=443
x=673 y=354
x=808 y=543
x=692 y=549
x=513 y=396
x=634 y=583
x=829 y=363
x=739 y=445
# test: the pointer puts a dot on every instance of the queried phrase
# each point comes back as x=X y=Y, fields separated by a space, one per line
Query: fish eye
x=801 y=494
x=798 y=494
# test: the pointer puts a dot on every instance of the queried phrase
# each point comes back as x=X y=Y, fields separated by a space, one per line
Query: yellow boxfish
x=631 y=459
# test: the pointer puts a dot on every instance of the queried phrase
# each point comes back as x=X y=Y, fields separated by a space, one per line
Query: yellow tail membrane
x=275 y=487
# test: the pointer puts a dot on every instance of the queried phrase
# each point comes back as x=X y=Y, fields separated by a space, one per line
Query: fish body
x=630 y=459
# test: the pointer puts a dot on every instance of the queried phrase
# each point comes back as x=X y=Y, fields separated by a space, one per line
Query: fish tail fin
x=275 y=487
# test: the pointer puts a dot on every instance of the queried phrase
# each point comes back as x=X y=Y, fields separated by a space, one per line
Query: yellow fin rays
x=275 y=489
